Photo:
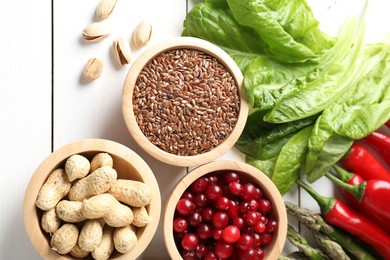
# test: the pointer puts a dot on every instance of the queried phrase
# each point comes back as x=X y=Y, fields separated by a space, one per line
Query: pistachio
x=142 y=34
x=122 y=51
x=93 y=69
x=105 y=8
x=96 y=31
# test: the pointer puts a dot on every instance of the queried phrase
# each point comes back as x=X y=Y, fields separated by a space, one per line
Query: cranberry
x=187 y=195
x=223 y=203
x=266 y=238
x=200 y=200
x=207 y=214
x=248 y=191
x=203 y=231
x=259 y=253
x=188 y=255
x=231 y=234
x=245 y=242
x=235 y=188
x=256 y=240
x=233 y=210
x=259 y=227
x=189 y=242
x=243 y=206
x=185 y=207
x=229 y=177
x=252 y=217
x=210 y=256
x=252 y=205
x=258 y=193
x=271 y=226
x=216 y=233
x=220 y=219
x=264 y=206
x=263 y=219
x=248 y=230
x=199 y=185
x=223 y=250
x=200 y=250
x=213 y=179
x=239 y=222
x=249 y=254
x=213 y=192
x=194 y=219
x=180 y=224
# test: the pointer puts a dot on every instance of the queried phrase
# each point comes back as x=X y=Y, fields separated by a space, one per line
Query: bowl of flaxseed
x=182 y=101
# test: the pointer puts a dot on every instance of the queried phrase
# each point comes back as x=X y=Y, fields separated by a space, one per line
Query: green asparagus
x=330 y=247
x=316 y=223
x=299 y=241
x=295 y=255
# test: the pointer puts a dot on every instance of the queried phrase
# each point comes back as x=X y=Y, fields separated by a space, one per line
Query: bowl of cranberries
x=225 y=210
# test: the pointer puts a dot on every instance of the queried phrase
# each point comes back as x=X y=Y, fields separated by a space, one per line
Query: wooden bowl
x=127 y=101
x=128 y=166
x=274 y=249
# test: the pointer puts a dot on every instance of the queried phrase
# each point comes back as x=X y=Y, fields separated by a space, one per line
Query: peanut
x=130 y=192
x=64 y=239
x=50 y=222
x=76 y=167
x=91 y=234
x=96 y=183
x=141 y=217
x=125 y=239
x=106 y=246
x=78 y=252
x=107 y=207
x=100 y=160
x=55 y=188
x=70 y=211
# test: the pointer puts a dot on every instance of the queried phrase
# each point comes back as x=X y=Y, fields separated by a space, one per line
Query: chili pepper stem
x=325 y=203
x=343 y=174
x=356 y=190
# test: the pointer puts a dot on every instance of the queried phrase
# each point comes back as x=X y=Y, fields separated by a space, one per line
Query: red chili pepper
x=335 y=212
x=371 y=196
x=380 y=143
x=362 y=162
x=350 y=178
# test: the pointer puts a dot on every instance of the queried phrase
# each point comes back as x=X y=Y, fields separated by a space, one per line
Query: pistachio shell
x=142 y=34
x=105 y=8
x=93 y=69
x=122 y=51
x=96 y=31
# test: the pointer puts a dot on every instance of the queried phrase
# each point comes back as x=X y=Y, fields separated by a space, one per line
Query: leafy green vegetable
x=266 y=166
x=288 y=27
x=290 y=160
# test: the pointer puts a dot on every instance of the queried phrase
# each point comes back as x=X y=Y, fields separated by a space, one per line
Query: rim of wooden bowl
x=127 y=101
x=274 y=249
x=91 y=146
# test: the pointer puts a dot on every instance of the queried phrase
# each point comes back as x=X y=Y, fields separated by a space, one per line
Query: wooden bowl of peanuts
x=183 y=103
x=225 y=210
x=94 y=199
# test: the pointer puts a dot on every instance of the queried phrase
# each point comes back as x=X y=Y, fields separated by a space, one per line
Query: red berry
x=188 y=255
x=207 y=214
x=235 y=188
x=187 y=195
x=223 y=250
x=259 y=227
x=256 y=240
x=194 y=219
x=199 y=185
x=248 y=230
x=212 y=179
x=200 y=251
x=239 y=222
x=252 y=217
x=180 y=224
x=271 y=226
x=252 y=205
x=249 y=254
x=223 y=203
x=245 y=242
x=233 y=210
x=229 y=177
x=203 y=231
x=231 y=234
x=216 y=233
x=220 y=219
x=213 y=192
x=210 y=256
x=259 y=253
x=264 y=206
x=248 y=191
x=185 y=207
x=266 y=238
x=243 y=206
x=258 y=193
x=200 y=200
x=189 y=242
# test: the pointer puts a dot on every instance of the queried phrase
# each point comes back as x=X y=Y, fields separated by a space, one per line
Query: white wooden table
x=45 y=103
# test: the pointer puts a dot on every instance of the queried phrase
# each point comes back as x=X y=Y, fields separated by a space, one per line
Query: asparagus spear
x=299 y=241
x=330 y=247
x=316 y=223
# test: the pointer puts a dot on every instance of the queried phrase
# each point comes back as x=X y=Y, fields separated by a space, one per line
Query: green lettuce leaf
x=265 y=166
